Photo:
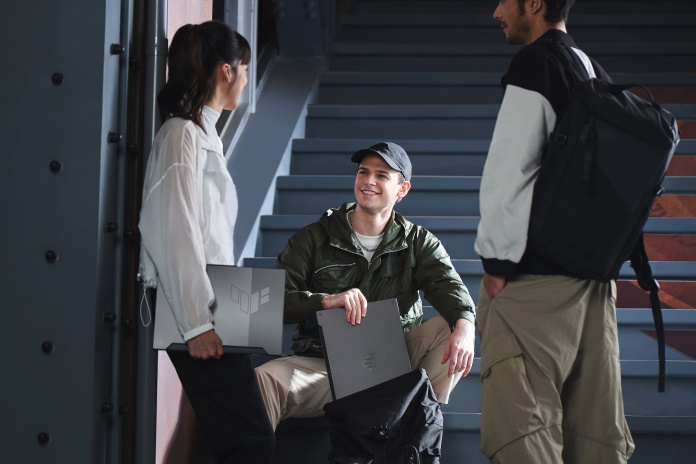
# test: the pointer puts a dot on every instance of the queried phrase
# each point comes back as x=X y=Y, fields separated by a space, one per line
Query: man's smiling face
x=378 y=186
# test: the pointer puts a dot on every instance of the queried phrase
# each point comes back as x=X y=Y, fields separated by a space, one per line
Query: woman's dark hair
x=194 y=55
x=556 y=10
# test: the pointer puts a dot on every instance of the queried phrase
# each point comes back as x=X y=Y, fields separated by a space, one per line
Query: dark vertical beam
x=132 y=183
x=146 y=374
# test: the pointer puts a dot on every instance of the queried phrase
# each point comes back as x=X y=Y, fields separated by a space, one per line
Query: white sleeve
x=525 y=121
x=171 y=233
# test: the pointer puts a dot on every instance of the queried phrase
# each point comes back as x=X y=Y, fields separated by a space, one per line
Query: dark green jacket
x=323 y=258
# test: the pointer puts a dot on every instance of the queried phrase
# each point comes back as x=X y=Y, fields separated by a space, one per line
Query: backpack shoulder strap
x=568 y=58
x=641 y=266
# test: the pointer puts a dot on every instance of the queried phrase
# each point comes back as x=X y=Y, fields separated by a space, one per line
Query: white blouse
x=187 y=218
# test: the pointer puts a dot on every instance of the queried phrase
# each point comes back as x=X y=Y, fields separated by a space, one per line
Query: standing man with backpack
x=550 y=351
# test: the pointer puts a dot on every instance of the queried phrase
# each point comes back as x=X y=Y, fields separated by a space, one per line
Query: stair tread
x=440 y=111
x=471 y=421
x=506 y=50
x=672 y=185
x=662 y=270
x=457 y=19
x=638 y=424
x=486 y=7
x=434 y=78
x=627 y=317
x=346 y=146
x=655 y=225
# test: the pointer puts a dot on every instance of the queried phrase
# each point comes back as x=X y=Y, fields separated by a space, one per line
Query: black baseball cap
x=393 y=155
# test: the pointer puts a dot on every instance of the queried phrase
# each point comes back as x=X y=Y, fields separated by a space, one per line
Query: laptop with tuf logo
x=363 y=355
x=247 y=312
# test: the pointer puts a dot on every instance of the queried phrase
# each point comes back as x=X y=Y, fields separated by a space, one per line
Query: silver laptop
x=364 y=355
x=247 y=312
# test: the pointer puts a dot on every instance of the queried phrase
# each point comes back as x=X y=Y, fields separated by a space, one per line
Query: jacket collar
x=209 y=138
x=557 y=34
x=335 y=223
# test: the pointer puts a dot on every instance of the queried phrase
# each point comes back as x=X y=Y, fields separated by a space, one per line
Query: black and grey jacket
x=536 y=92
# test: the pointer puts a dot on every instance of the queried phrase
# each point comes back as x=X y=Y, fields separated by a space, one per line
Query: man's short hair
x=556 y=10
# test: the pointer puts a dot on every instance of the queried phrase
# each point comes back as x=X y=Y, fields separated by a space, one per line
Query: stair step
x=402 y=121
x=675 y=206
x=682 y=166
x=471 y=271
x=635 y=343
x=673 y=294
x=314 y=195
x=671 y=247
x=639 y=384
x=466 y=157
x=616 y=8
x=656 y=438
x=464 y=20
x=419 y=121
x=687 y=129
x=453 y=27
x=352 y=88
x=477 y=79
x=458 y=233
x=428 y=157
x=430 y=195
x=614 y=57
x=670 y=95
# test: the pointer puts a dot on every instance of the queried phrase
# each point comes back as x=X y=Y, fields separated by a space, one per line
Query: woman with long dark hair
x=187 y=221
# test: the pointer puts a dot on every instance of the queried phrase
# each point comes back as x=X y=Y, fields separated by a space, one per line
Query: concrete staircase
x=425 y=74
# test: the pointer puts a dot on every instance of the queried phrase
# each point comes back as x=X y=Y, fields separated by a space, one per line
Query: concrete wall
x=58 y=188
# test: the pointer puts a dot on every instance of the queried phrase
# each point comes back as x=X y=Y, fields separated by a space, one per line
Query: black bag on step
x=395 y=422
x=601 y=172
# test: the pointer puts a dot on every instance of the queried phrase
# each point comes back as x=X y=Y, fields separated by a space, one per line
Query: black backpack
x=600 y=174
x=396 y=422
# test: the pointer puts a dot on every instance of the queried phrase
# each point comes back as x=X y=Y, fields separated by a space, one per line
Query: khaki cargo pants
x=298 y=386
x=550 y=373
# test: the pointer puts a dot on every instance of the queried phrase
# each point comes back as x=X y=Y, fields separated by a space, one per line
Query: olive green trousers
x=551 y=380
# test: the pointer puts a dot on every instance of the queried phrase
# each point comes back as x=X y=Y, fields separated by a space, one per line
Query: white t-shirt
x=187 y=218
x=370 y=242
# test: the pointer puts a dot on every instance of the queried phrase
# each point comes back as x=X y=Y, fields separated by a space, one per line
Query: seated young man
x=360 y=252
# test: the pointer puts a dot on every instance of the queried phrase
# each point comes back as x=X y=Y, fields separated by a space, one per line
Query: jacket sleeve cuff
x=499 y=267
x=468 y=315
x=316 y=302
x=197 y=331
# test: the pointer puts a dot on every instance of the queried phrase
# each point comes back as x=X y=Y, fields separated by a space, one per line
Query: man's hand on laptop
x=460 y=348
x=206 y=345
x=352 y=300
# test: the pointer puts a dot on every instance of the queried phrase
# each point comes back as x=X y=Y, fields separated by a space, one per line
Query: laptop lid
x=247 y=312
x=363 y=355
